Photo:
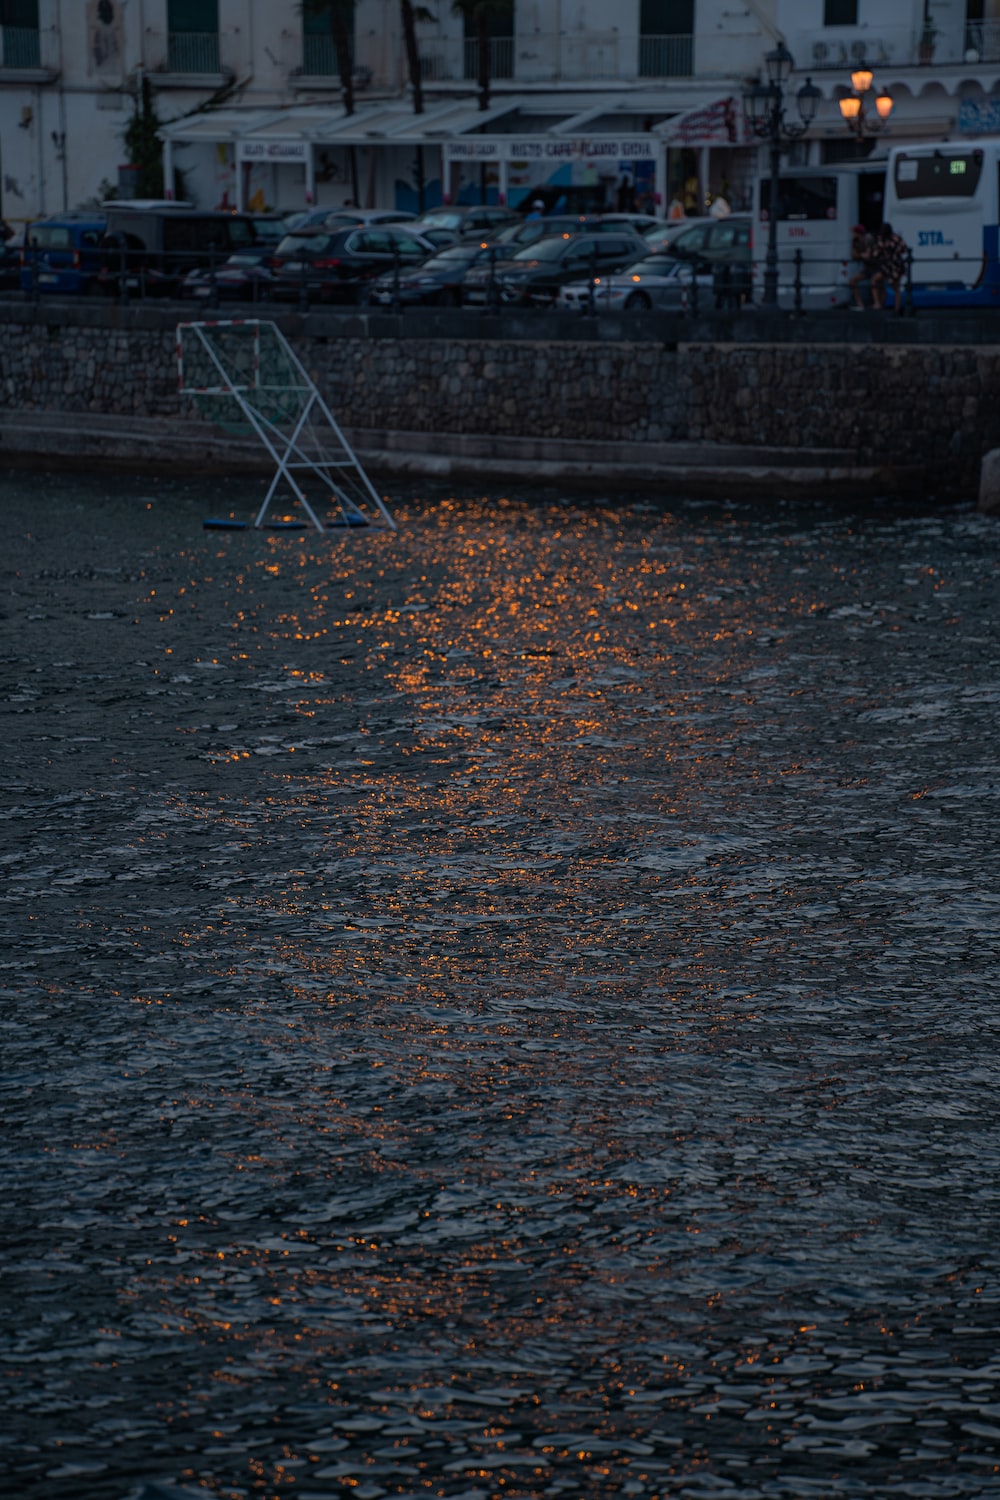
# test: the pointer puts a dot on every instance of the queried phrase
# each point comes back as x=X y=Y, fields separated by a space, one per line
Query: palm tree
x=341 y=17
x=480 y=14
x=410 y=15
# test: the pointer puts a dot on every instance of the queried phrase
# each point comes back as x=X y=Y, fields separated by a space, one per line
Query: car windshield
x=549 y=249
x=654 y=265
x=269 y=231
x=441 y=221
x=446 y=260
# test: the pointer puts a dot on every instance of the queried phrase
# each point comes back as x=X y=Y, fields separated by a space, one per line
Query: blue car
x=62 y=254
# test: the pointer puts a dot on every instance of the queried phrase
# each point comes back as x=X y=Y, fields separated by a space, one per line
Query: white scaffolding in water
x=244 y=376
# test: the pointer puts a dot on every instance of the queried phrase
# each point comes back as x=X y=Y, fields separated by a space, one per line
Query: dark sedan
x=340 y=266
x=439 y=280
x=535 y=274
x=246 y=276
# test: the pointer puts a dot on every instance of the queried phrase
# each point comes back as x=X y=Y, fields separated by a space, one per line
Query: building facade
x=588 y=100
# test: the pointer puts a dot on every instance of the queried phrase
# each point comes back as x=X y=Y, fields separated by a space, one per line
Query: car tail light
x=326 y=265
x=76 y=260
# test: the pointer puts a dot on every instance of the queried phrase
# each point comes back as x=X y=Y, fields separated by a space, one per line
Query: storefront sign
x=272 y=150
x=553 y=149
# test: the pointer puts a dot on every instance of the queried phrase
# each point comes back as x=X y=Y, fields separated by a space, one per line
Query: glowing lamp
x=850 y=108
x=861 y=81
x=883 y=105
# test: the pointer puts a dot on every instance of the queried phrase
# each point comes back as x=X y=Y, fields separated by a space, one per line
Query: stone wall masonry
x=887 y=402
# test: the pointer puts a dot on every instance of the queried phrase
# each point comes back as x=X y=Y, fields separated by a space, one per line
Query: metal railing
x=983 y=37
x=438 y=65
x=501 y=57
x=193 y=52
x=319 y=56
x=20 y=47
x=127 y=275
x=666 y=56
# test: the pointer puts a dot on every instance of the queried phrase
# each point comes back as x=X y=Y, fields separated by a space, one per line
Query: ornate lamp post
x=765 y=109
x=854 y=107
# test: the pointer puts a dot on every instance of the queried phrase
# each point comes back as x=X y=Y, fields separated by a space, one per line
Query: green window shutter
x=666 y=18
x=193 y=15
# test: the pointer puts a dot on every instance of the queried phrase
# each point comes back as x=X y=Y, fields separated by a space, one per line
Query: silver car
x=652 y=281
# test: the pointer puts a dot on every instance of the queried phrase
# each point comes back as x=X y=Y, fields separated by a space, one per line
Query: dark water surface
x=507 y=1009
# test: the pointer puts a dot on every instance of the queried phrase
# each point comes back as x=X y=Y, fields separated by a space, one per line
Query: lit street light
x=765 y=109
x=854 y=106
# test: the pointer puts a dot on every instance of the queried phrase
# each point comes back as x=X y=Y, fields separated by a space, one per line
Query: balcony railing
x=19 y=47
x=983 y=37
x=319 y=56
x=193 y=52
x=501 y=57
x=666 y=56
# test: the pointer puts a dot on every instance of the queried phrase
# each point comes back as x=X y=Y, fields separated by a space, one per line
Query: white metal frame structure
x=249 y=362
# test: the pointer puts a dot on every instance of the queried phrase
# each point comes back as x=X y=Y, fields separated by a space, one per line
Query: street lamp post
x=765 y=109
x=854 y=106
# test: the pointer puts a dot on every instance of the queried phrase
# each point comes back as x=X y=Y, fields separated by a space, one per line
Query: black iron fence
x=122 y=274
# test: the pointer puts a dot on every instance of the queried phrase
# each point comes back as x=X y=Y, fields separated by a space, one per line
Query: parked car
x=10 y=268
x=535 y=274
x=246 y=276
x=341 y=218
x=527 y=231
x=438 y=280
x=658 y=280
x=474 y=219
x=62 y=254
x=726 y=241
x=338 y=265
x=665 y=231
x=152 y=250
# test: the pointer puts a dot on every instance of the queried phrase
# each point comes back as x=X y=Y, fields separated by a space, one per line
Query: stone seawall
x=889 y=397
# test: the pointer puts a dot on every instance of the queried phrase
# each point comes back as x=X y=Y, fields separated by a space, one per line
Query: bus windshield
x=945 y=174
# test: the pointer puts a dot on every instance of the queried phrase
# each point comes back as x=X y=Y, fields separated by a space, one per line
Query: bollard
x=33 y=269
x=122 y=278
x=798 y=281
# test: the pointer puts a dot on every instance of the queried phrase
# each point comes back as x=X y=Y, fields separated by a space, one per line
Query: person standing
x=863 y=255
x=889 y=258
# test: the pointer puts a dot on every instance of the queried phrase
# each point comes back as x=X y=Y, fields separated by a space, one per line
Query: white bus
x=943 y=201
x=818 y=208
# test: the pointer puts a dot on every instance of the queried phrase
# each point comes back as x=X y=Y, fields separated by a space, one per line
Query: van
x=154 y=248
x=62 y=254
x=818 y=208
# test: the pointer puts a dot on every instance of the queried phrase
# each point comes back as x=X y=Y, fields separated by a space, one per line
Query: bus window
x=801 y=198
x=945 y=174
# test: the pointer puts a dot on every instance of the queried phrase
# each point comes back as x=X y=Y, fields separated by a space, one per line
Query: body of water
x=504 y=1009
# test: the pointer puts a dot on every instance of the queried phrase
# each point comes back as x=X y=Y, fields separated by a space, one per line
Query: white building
x=587 y=96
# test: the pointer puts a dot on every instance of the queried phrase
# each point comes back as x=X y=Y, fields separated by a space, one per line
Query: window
x=840 y=12
x=801 y=198
x=949 y=173
x=501 y=23
x=19 y=46
x=319 y=50
x=193 y=36
x=666 y=38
